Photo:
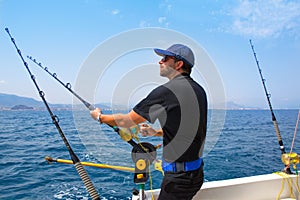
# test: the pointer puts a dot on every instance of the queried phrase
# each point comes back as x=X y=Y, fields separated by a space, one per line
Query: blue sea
x=245 y=145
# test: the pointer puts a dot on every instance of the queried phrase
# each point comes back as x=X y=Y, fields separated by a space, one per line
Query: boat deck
x=262 y=187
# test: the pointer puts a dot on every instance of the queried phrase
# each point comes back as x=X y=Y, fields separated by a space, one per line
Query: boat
x=278 y=185
x=282 y=185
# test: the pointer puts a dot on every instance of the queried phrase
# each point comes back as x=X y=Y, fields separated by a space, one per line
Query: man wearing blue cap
x=180 y=105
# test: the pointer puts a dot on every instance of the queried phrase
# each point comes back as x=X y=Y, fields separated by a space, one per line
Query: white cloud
x=166 y=6
x=266 y=18
x=115 y=12
x=169 y=8
x=2 y=81
x=144 y=23
x=162 y=19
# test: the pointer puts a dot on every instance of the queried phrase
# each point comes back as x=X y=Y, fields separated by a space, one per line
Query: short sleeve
x=153 y=105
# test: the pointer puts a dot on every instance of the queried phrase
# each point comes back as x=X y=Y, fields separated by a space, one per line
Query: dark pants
x=181 y=185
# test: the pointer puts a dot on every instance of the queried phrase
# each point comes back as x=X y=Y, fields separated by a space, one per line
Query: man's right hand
x=147 y=130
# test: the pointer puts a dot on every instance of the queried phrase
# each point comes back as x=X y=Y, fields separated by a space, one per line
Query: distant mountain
x=21 y=107
x=10 y=100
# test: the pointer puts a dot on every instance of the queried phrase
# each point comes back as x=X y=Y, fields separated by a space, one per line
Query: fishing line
x=81 y=171
x=268 y=95
x=295 y=132
x=122 y=132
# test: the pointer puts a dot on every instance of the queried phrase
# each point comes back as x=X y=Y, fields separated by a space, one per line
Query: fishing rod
x=81 y=171
x=90 y=164
x=67 y=85
x=268 y=95
x=124 y=134
x=50 y=160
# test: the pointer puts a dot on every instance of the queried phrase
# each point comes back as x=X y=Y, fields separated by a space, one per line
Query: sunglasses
x=166 y=58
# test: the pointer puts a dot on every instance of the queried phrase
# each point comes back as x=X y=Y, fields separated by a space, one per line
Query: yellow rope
x=289 y=181
x=281 y=190
x=297 y=181
x=286 y=176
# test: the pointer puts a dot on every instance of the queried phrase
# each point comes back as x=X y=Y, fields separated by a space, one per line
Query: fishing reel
x=290 y=159
x=128 y=133
x=143 y=156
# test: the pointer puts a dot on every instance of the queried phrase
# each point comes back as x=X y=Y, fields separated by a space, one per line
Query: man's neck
x=173 y=75
x=177 y=73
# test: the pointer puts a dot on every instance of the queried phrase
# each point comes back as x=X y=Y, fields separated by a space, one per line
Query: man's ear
x=179 y=64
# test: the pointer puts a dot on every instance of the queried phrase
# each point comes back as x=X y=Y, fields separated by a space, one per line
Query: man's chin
x=163 y=75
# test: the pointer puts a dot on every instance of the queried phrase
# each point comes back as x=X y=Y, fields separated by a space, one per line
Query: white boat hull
x=262 y=187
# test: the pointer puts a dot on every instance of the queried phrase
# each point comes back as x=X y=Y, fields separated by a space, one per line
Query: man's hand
x=96 y=114
x=147 y=130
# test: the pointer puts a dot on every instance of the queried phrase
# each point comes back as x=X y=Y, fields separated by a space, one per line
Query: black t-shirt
x=180 y=105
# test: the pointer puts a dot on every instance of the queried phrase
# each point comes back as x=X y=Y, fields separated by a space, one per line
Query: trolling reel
x=143 y=154
x=290 y=159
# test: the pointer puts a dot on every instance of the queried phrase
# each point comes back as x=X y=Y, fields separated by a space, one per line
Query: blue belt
x=181 y=166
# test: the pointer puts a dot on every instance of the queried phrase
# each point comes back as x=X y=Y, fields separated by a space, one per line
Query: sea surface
x=244 y=145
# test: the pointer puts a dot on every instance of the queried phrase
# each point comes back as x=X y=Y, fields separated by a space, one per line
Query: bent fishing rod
x=268 y=95
x=121 y=132
x=81 y=171
x=67 y=85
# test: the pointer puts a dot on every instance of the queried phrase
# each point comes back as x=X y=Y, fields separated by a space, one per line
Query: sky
x=63 y=35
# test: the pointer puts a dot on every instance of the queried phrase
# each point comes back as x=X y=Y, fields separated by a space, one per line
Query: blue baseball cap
x=179 y=51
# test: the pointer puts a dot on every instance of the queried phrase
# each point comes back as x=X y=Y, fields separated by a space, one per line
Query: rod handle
x=87 y=182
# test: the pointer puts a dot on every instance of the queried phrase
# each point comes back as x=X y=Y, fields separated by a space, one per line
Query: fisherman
x=180 y=105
